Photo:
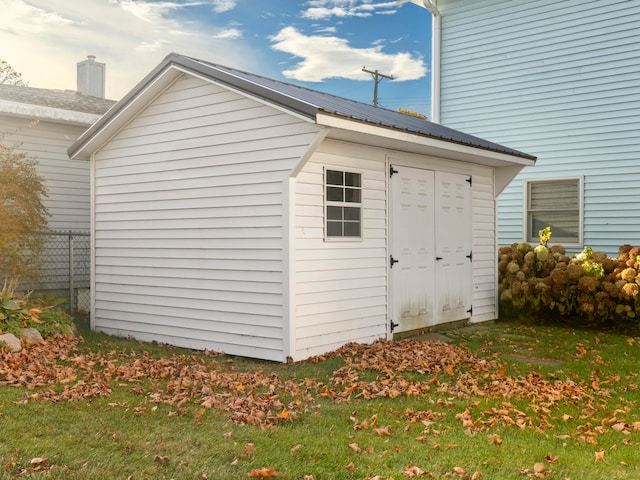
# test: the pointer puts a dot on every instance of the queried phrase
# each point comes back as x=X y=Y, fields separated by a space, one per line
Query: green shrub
x=589 y=289
x=26 y=311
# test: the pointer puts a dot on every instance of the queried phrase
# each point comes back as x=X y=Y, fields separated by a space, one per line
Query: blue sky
x=321 y=44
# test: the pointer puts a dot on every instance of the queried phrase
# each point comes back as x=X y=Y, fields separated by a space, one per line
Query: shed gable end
x=189 y=221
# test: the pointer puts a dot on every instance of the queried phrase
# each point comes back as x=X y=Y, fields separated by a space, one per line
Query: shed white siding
x=558 y=80
x=340 y=285
x=189 y=221
x=483 y=234
x=67 y=181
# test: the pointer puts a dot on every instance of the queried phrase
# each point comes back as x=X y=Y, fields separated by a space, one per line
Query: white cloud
x=327 y=30
x=220 y=6
x=326 y=57
x=325 y=9
x=16 y=14
x=44 y=39
x=228 y=34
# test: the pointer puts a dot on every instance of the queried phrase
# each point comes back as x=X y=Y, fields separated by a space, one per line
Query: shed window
x=343 y=204
x=557 y=204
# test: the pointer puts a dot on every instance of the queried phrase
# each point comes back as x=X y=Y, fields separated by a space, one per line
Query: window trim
x=332 y=203
x=526 y=221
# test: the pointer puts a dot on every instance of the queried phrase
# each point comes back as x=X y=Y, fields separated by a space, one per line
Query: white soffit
x=367 y=134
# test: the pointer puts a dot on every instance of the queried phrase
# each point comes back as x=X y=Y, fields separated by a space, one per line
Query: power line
x=377 y=78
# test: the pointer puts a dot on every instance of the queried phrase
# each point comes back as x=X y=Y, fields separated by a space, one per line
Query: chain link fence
x=64 y=269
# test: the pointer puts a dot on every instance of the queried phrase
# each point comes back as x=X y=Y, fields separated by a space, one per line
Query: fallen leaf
x=599 y=456
x=413 y=471
x=161 y=459
x=350 y=467
x=495 y=439
x=459 y=471
x=284 y=415
x=382 y=431
x=539 y=467
x=619 y=427
x=355 y=447
x=39 y=462
x=250 y=448
x=262 y=473
x=295 y=449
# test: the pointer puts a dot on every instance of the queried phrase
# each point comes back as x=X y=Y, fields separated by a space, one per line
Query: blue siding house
x=560 y=80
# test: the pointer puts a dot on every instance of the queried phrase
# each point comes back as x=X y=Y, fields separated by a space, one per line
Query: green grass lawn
x=502 y=401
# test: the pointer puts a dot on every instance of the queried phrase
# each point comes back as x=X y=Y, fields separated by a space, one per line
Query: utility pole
x=377 y=77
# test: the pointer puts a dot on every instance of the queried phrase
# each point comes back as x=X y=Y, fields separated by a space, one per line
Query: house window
x=557 y=204
x=343 y=204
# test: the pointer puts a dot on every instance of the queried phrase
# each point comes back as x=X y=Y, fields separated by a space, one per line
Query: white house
x=43 y=123
x=246 y=215
x=560 y=80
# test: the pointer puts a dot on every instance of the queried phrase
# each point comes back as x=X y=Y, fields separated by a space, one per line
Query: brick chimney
x=91 y=77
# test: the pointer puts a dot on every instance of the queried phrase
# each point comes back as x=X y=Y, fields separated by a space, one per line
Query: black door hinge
x=393 y=325
x=392 y=170
x=470 y=311
x=470 y=256
x=470 y=180
x=392 y=261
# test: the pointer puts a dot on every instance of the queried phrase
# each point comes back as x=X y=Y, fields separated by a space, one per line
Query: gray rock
x=11 y=342
x=31 y=336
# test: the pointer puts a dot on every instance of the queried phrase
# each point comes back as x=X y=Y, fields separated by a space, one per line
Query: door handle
x=438 y=258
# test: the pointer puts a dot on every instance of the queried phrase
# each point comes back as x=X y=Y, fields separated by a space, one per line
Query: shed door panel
x=453 y=246
x=431 y=241
x=413 y=248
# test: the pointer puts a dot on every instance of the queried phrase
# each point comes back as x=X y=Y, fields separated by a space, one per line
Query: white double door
x=430 y=248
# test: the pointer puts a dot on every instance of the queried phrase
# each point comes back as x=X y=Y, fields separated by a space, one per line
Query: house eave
x=41 y=112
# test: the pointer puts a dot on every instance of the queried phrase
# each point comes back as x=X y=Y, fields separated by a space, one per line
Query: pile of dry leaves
x=60 y=370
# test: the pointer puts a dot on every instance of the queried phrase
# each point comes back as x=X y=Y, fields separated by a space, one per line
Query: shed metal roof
x=309 y=102
x=304 y=101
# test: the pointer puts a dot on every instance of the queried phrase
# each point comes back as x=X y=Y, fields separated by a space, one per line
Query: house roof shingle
x=59 y=99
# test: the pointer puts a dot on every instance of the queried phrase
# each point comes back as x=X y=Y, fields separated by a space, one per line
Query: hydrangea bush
x=591 y=289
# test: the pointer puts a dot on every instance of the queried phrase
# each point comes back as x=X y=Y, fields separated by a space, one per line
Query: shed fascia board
x=419 y=143
x=42 y=112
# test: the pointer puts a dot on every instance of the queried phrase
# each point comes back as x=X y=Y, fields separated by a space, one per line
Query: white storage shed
x=242 y=214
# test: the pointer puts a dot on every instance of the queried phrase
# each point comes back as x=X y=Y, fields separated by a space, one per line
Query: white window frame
x=333 y=203
x=532 y=237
